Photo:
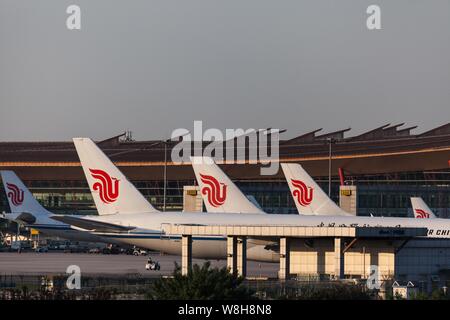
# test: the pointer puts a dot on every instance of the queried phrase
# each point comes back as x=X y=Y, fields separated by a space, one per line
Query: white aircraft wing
x=92 y=225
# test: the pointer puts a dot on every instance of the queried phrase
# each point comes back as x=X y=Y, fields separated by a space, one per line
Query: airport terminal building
x=386 y=166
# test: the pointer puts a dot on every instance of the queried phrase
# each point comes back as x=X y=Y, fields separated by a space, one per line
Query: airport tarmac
x=31 y=263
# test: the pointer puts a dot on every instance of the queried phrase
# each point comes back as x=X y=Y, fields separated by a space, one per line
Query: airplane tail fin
x=421 y=209
x=19 y=197
x=111 y=190
x=308 y=196
x=219 y=193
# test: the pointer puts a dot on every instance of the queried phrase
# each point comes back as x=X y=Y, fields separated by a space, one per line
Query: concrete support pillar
x=374 y=257
x=231 y=254
x=192 y=199
x=284 y=258
x=348 y=199
x=237 y=255
x=242 y=256
x=186 y=254
x=339 y=258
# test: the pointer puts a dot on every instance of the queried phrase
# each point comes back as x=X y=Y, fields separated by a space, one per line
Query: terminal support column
x=231 y=254
x=237 y=255
x=186 y=254
x=339 y=258
x=284 y=258
x=242 y=256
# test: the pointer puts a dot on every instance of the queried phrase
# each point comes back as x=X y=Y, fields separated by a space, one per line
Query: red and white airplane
x=26 y=210
x=125 y=214
x=309 y=200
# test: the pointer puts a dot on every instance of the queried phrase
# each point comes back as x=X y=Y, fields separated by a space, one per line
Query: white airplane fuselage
x=149 y=226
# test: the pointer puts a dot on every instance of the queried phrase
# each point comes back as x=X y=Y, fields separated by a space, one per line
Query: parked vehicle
x=53 y=247
x=111 y=250
x=95 y=250
x=73 y=248
x=41 y=249
x=20 y=245
x=140 y=252
x=57 y=245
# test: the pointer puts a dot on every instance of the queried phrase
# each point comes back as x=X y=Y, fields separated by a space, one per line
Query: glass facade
x=389 y=194
x=381 y=195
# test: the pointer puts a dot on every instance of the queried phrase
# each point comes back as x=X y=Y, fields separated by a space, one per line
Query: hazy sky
x=153 y=66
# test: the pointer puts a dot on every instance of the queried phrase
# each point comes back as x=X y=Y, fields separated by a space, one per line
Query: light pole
x=165 y=142
x=165 y=174
x=330 y=142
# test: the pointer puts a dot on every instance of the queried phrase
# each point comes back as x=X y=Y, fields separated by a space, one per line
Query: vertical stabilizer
x=421 y=209
x=111 y=190
x=19 y=197
x=308 y=195
x=219 y=193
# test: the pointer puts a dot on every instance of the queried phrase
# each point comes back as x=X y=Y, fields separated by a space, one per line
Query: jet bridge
x=343 y=239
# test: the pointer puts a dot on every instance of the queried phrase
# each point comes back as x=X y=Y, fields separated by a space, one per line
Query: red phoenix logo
x=216 y=192
x=303 y=193
x=107 y=187
x=422 y=214
x=15 y=194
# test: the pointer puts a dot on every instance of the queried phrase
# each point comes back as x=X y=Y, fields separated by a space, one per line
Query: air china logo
x=303 y=193
x=107 y=187
x=216 y=192
x=422 y=214
x=15 y=194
